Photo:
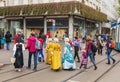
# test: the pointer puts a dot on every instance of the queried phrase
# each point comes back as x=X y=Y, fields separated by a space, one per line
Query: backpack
x=37 y=45
x=93 y=48
x=113 y=44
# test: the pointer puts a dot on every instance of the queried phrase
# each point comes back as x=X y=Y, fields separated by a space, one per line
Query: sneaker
x=19 y=70
x=108 y=63
x=34 y=70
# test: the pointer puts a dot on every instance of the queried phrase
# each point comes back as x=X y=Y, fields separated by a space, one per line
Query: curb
x=2 y=65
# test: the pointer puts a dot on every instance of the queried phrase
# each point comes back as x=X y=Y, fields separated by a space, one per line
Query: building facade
x=72 y=18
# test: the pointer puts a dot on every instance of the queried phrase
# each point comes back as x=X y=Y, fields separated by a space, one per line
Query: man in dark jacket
x=8 y=39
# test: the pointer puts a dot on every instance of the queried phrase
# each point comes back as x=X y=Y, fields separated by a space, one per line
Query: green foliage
x=53 y=9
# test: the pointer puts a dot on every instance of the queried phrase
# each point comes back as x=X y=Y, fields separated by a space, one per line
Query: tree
x=119 y=7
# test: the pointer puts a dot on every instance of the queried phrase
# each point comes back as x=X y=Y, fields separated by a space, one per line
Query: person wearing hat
x=56 y=57
x=49 y=49
x=18 y=54
x=68 y=61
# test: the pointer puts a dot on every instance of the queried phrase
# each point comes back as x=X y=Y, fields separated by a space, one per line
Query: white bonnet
x=56 y=40
x=66 y=39
x=50 y=39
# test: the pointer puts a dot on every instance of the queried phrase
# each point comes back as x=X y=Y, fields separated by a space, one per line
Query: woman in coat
x=56 y=58
x=89 y=50
x=32 y=51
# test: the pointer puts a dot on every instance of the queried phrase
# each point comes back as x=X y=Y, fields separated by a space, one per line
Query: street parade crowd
x=37 y=43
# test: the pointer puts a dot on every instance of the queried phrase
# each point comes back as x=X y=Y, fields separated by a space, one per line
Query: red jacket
x=88 y=46
x=41 y=43
x=31 y=44
x=48 y=35
x=15 y=38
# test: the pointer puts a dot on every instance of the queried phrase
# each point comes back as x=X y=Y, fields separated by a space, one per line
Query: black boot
x=95 y=68
x=114 y=61
x=108 y=62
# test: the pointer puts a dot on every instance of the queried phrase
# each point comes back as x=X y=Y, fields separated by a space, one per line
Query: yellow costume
x=56 y=58
x=49 y=49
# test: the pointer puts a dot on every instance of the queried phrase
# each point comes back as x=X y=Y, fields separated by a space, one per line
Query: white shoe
x=86 y=70
x=19 y=70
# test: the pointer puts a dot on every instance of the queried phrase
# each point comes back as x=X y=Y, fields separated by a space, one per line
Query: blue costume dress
x=68 y=58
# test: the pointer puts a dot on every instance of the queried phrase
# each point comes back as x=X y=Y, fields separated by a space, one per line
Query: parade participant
x=76 y=44
x=49 y=49
x=89 y=51
x=84 y=59
x=18 y=54
x=32 y=51
x=68 y=61
x=56 y=58
x=109 y=50
x=8 y=36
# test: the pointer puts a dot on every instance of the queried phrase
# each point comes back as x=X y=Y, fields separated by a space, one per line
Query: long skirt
x=19 y=61
x=56 y=61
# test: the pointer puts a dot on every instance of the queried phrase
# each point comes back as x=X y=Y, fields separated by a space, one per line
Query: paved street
x=104 y=73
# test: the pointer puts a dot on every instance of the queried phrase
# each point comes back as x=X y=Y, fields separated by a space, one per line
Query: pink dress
x=84 y=59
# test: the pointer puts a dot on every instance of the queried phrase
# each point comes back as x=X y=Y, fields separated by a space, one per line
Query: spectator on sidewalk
x=77 y=47
x=89 y=51
x=16 y=36
x=41 y=47
x=2 y=42
x=109 y=50
x=8 y=36
x=32 y=51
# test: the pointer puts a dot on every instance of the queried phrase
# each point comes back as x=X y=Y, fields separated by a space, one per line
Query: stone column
x=24 y=27
x=45 y=25
x=100 y=26
x=84 y=26
x=71 y=27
